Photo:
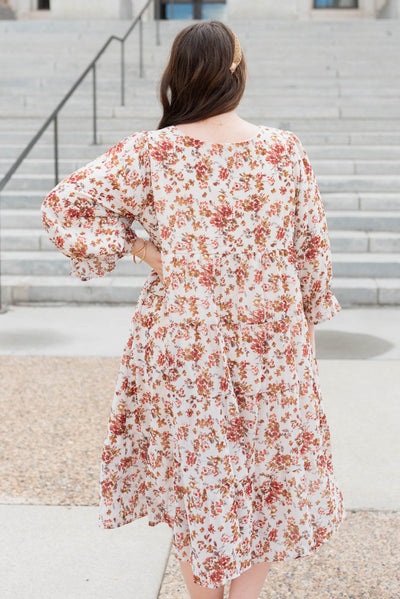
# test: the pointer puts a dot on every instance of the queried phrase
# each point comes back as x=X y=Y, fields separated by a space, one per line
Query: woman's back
x=227 y=213
x=217 y=425
x=218 y=391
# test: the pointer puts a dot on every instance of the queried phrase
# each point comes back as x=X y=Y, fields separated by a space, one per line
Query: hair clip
x=237 y=54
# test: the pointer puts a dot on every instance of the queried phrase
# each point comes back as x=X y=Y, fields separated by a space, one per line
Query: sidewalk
x=58 y=552
x=96 y=330
x=58 y=371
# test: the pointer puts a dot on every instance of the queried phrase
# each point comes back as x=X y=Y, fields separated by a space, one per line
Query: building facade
x=207 y=9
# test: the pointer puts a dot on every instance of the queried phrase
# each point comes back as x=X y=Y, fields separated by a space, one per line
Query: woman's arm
x=311 y=330
x=311 y=240
x=152 y=256
x=89 y=215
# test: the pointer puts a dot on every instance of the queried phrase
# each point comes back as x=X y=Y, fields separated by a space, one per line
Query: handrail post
x=140 y=47
x=94 y=106
x=56 y=177
x=123 y=73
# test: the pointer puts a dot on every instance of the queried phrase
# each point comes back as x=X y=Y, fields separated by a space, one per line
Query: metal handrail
x=53 y=118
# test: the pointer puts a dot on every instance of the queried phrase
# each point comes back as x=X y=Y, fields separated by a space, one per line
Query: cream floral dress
x=217 y=425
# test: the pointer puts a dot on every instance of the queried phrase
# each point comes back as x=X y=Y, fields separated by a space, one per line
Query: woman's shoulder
x=286 y=139
x=285 y=135
x=148 y=138
x=136 y=142
x=141 y=141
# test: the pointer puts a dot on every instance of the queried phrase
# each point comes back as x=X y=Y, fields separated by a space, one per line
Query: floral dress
x=217 y=426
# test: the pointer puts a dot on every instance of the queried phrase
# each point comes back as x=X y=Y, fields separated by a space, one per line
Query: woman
x=217 y=425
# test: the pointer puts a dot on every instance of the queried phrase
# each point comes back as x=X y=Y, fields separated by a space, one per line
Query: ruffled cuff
x=97 y=266
x=322 y=308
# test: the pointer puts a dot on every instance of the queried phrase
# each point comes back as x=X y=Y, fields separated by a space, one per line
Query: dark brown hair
x=197 y=82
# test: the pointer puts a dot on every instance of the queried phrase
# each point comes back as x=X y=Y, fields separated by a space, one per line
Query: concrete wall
x=100 y=9
x=303 y=9
x=80 y=9
x=391 y=10
x=236 y=9
x=106 y=9
x=22 y=7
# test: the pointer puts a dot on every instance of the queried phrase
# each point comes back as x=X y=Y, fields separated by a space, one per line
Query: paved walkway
x=58 y=370
x=57 y=552
x=96 y=330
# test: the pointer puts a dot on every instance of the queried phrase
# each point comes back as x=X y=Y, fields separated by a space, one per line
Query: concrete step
x=53 y=263
x=353 y=201
x=312 y=124
x=358 y=183
x=364 y=119
x=327 y=183
x=359 y=220
x=30 y=86
x=341 y=241
x=303 y=91
x=18 y=105
x=246 y=26
x=347 y=167
x=376 y=115
x=111 y=131
x=360 y=153
x=12 y=141
x=266 y=36
x=329 y=85
x=278 y=90
x=331 y=70
x=125 y=290
x=26 y=219
x=28 y=199
x=110 y=290
x=355 y=167
x=292 y=111
x=353 y=131
x=84 y=135
x=37 y=239
x=364 y=242
x=366 y=265
x=321 y=152
x=363 y=220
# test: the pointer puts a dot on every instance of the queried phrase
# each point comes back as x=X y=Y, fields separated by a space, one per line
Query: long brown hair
x=197 y=82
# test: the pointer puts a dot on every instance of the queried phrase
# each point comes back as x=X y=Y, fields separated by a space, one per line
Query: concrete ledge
x=389 y=293
x=60 y=551
x=109 y=290
x=356 y=263
x=126 y=290
x=356 y=291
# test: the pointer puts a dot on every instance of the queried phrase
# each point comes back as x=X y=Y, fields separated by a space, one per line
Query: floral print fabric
x=217 y=425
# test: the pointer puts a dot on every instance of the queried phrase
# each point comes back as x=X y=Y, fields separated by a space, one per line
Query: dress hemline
x=255 y=559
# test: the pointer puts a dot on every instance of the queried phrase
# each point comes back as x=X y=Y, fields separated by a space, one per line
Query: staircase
x=331 y=83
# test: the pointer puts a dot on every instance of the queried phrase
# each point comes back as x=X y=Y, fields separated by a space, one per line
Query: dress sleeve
x=311 y=241
x=88 y=216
